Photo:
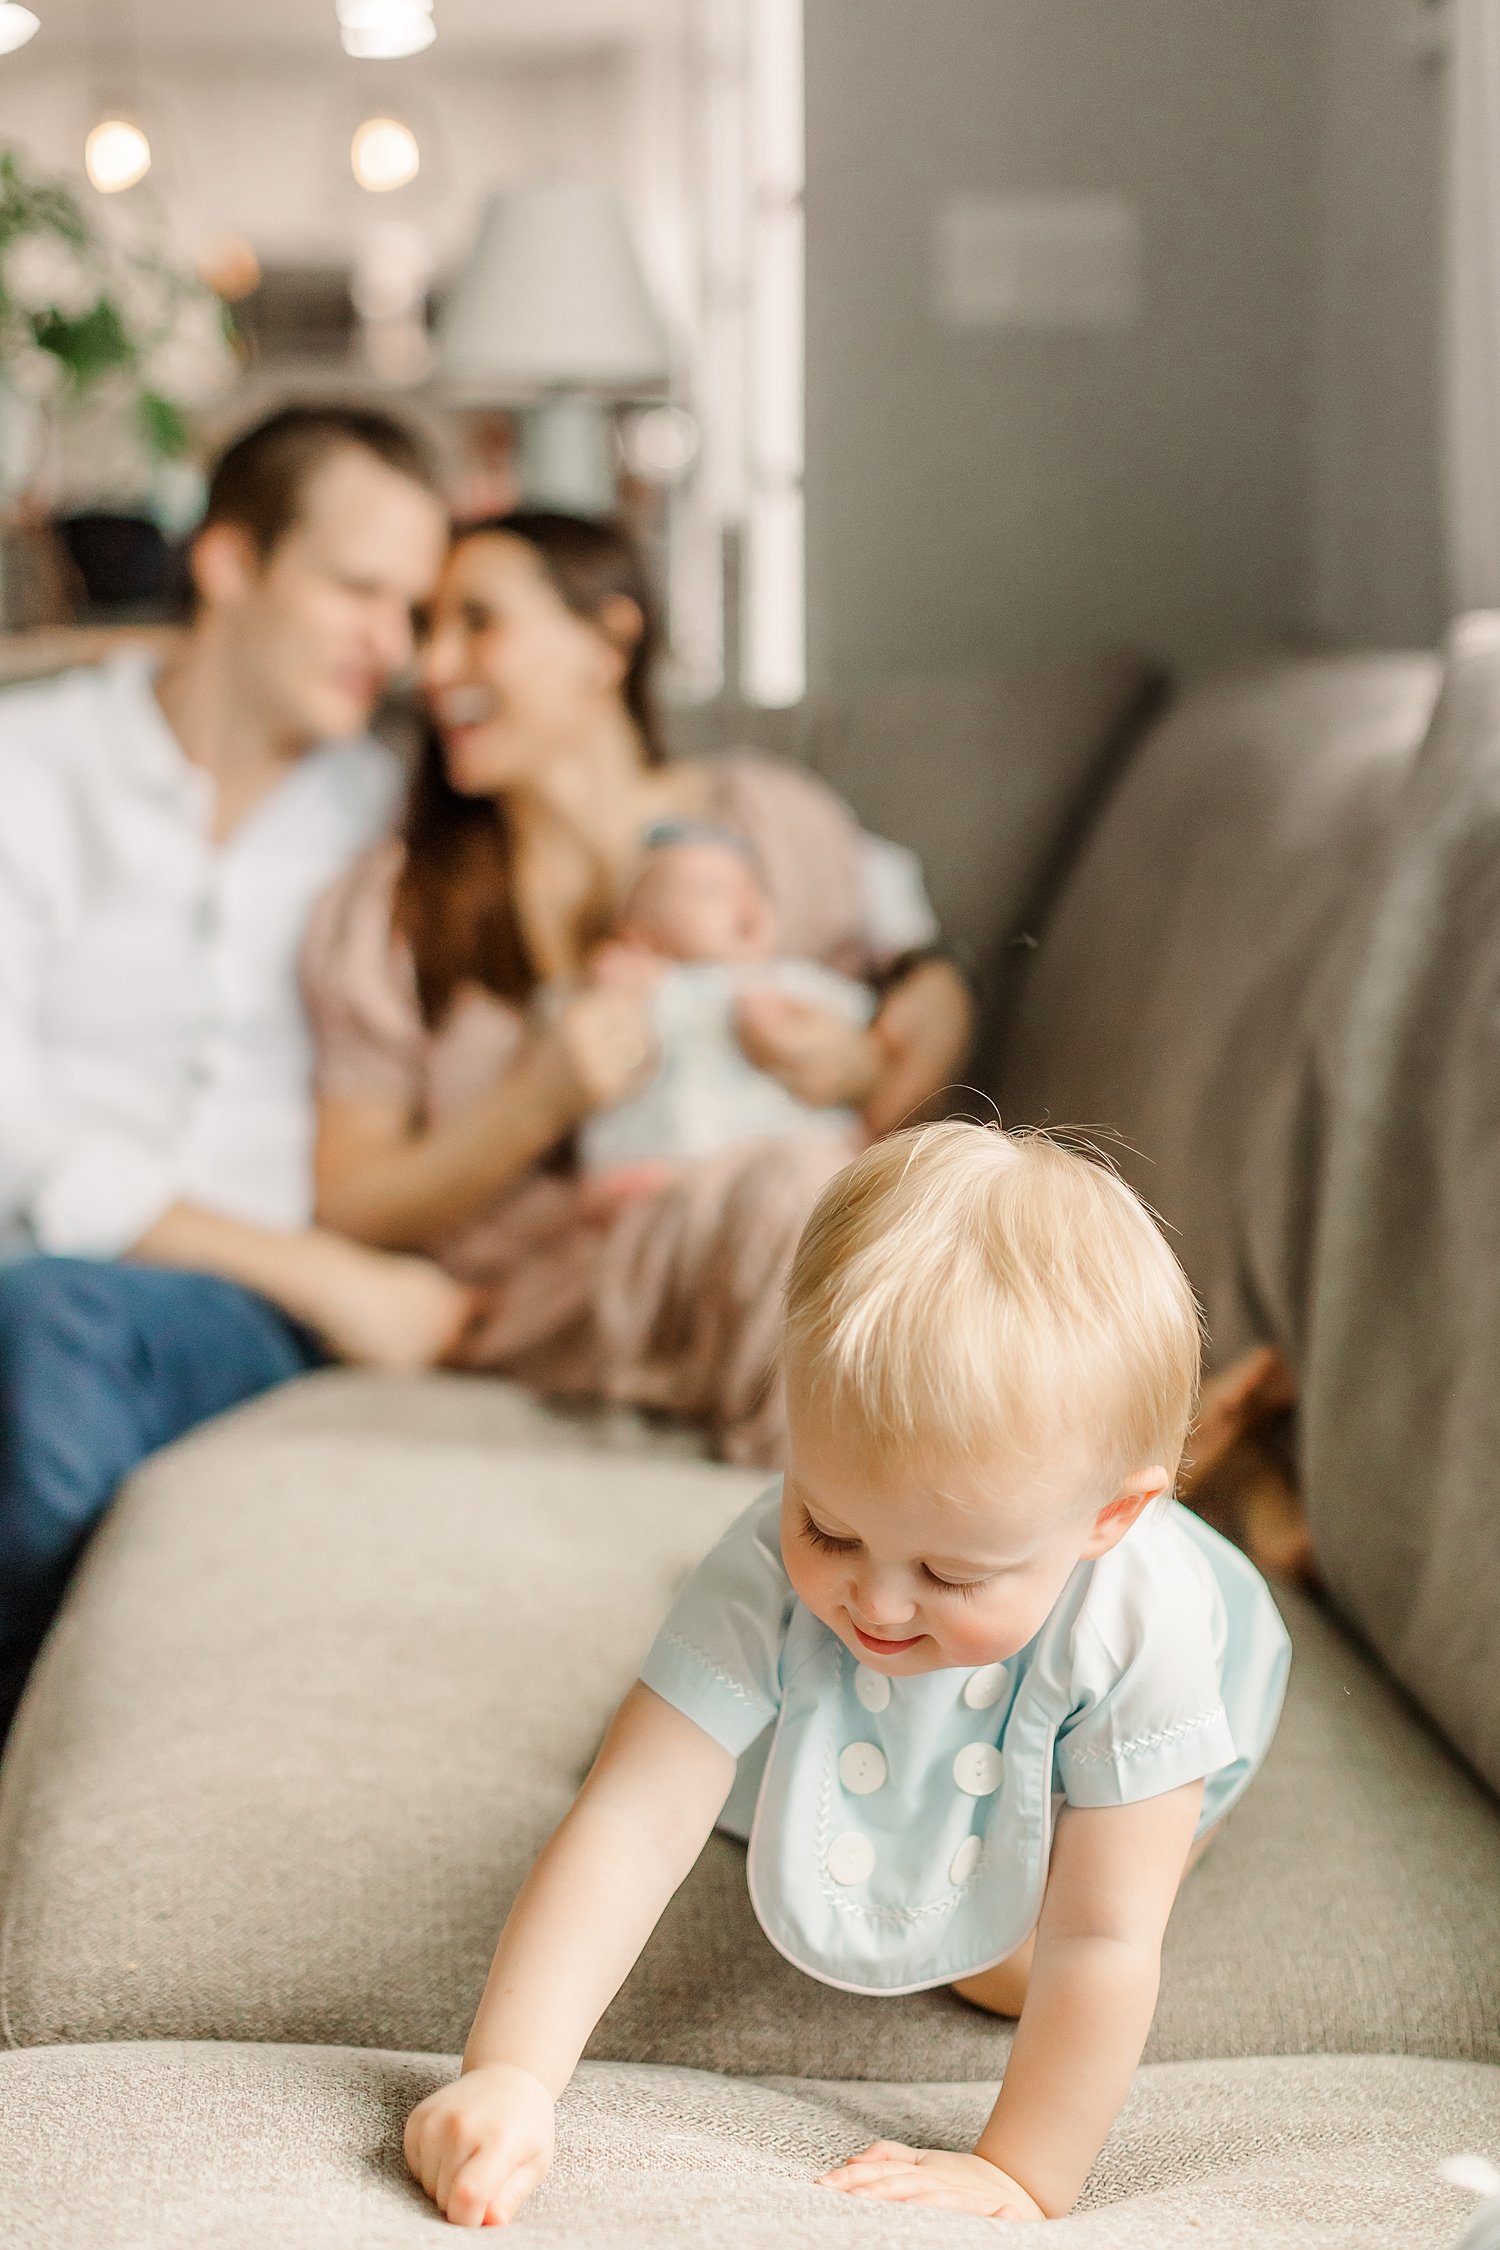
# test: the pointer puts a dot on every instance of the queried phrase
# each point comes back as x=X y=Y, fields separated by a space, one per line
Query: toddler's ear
x=1127 y=1507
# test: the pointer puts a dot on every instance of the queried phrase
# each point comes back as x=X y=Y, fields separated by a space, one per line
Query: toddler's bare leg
x=1001 y=1991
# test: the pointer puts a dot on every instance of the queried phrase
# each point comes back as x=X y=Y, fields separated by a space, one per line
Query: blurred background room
x=910 y=340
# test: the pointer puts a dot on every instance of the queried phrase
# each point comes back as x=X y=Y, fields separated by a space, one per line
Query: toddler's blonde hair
x=968 y=1292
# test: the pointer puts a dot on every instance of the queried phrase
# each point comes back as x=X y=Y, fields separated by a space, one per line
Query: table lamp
x=551 y=313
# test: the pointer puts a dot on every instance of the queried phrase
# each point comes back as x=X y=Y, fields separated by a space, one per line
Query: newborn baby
x=699 y=930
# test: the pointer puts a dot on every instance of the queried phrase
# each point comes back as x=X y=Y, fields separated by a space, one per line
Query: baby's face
x=918 y=1570
x=700 y=901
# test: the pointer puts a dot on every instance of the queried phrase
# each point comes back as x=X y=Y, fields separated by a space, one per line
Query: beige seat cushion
x=453 y=1410
x=316 y=1700
x=172 y=2147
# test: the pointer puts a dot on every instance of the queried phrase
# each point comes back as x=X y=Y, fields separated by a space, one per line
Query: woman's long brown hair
x=455 y=898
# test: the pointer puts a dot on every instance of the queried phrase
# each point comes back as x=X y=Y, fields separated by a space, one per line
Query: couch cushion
x=446 y=1409
x=988 y=780
x=163 y=2147
x=315 y=1701
x=1170 y=999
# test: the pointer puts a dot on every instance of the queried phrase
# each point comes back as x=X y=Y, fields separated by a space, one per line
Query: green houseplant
x=94 y=329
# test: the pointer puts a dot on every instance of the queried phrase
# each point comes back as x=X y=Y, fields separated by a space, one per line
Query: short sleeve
x=1148 y=1706
x=898 y=913
x=359 y=988
x=717 y=1657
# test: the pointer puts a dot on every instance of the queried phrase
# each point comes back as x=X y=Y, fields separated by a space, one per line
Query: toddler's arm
x=582 y=1917
x=1092 y=1993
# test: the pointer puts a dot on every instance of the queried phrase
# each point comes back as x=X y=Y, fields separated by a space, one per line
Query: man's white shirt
x=153 y=1047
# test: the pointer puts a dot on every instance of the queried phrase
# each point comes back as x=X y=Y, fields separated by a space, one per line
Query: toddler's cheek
x=983 y=1634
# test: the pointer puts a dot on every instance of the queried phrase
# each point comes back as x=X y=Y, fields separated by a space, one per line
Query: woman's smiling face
x=513 y=678
x=918 y=1569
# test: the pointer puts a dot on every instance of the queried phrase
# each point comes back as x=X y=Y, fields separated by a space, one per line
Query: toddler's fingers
x=871 y=2179
x=878 y=2151
x=484 y=2181
x=893 y=2183
x=524 y=2181
x=426 y=2143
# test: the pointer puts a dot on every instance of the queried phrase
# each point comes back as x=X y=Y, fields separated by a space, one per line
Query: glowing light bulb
x=384 y=154
x=17 y=25
x=116 y=155
x=381 y=30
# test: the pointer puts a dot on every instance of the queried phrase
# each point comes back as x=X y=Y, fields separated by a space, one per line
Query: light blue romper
x=901 y=1828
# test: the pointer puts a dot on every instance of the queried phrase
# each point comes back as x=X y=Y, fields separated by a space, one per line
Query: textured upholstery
x=173 y=2147
x=317 y=1698
x=989 y=778
x=1188 y=944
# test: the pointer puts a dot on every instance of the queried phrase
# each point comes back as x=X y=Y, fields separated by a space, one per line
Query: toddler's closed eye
x=824 y=1541
x=965 y=1588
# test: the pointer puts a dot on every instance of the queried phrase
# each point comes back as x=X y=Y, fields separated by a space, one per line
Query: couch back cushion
x=1172 y=999
x=988 y=779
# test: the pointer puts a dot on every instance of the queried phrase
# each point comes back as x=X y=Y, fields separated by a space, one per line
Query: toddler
x=990 y=1686
x=698 y=931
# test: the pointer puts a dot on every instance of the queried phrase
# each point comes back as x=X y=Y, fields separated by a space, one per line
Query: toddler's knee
x=1000 y=1991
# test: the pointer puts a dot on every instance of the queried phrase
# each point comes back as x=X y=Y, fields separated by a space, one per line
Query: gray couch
x=334 y=1665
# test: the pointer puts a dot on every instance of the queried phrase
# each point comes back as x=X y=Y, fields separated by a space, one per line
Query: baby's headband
x=665 y=833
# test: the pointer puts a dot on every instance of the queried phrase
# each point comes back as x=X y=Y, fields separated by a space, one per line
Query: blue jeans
x=99 y=1365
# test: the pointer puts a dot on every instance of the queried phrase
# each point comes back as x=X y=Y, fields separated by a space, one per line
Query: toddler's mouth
x=884 y=1647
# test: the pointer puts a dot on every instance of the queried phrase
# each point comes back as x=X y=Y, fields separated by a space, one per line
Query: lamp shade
x=552 y=296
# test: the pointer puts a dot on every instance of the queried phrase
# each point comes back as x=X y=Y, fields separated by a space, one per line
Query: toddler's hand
x=944 y=2181
x=481 y=2145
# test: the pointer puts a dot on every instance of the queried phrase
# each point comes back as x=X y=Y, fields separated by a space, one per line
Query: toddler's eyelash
x=826 y=1544
x=824 y=1541
x=966 y=1589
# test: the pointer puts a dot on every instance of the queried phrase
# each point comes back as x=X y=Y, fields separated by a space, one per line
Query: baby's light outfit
x=901 y=1828
x=706 y=1094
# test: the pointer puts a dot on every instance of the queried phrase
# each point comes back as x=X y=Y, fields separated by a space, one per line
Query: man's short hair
x=261 y=480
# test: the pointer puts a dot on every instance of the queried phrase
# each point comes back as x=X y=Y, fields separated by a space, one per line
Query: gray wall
x=1255 y=461
x=1378 y=574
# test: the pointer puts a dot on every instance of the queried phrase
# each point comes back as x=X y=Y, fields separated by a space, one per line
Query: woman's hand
x=889 y=2172
x=822 y=1058
x=924 y=1032
x=480 y=2146
x=597 y=1050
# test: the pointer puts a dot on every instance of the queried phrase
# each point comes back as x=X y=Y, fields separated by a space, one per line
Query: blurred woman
x=449 y=1097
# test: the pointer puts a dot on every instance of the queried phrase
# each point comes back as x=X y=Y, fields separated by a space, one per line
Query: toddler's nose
x=883 y=1605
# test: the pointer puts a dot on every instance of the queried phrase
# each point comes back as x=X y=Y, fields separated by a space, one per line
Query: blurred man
x=162 y=837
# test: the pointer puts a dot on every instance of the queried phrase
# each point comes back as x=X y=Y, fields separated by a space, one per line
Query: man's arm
x=366 y=1306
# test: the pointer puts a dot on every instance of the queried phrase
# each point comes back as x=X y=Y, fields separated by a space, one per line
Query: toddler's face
x=919 y=1570
x=700 y=902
